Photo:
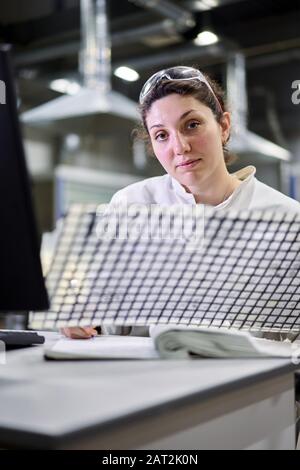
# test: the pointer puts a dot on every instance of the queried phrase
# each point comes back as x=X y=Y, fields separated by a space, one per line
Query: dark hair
x=193 y=88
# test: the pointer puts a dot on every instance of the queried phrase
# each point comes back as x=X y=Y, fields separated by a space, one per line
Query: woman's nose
x=181 y=144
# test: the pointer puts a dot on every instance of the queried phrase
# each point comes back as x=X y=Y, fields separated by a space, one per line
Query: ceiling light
x=202 y=5
x=210 y=3
x=206 y=38
x=126 y=73
x=62 y=85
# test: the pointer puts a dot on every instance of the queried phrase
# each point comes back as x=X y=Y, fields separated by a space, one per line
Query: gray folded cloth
x=125 y=330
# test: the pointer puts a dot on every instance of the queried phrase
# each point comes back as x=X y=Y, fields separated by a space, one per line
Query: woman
x=184 y=116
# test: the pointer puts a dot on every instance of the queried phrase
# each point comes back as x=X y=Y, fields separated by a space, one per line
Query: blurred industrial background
x=80 y=147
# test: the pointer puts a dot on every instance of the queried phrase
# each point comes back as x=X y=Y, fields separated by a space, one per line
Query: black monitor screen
x=21 y=281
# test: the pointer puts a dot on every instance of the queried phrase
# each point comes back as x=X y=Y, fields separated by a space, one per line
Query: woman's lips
x=189 y=163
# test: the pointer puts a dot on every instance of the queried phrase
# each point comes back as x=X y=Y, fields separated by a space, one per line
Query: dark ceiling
x=46 y=39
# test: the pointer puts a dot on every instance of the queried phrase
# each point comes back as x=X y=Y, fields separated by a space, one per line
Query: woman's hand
x=85 y=332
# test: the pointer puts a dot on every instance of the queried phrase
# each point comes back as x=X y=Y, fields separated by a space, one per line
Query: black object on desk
x=20 y=338
x=21 y=277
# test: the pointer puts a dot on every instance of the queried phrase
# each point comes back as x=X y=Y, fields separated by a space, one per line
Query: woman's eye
x=161 y=136
x=193 y=125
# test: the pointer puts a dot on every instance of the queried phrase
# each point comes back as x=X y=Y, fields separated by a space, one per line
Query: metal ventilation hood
x=81 y=112
x=243 y=141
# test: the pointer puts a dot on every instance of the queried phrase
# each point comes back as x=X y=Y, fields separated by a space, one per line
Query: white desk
x=196 y=404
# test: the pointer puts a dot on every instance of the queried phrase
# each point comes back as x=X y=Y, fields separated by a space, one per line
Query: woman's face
x=187 y=140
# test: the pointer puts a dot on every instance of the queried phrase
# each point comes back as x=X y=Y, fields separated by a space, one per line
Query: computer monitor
x=22 y=285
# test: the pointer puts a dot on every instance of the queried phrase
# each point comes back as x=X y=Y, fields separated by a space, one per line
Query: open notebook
x=172 y=342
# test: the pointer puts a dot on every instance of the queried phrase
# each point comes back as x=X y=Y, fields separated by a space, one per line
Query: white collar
x=244 y=175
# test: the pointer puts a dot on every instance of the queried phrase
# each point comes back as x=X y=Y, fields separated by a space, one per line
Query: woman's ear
x=225 y=125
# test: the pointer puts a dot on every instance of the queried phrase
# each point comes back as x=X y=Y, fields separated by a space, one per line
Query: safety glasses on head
x=172 y=74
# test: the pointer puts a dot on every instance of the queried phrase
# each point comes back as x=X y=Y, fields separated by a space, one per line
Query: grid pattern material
x=171 y=265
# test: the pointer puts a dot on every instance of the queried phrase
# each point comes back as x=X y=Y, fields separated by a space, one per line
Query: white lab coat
x=250 y=194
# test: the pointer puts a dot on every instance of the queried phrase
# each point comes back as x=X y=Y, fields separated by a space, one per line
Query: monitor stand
x=15 y=333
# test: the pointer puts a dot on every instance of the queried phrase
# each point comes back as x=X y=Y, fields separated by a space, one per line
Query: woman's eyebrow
x=184 y=115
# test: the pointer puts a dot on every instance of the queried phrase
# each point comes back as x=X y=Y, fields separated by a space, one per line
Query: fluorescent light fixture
x=206 y=38
x=126 y=73
x=210 y=3
x=63 y=85
x=203 y=5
